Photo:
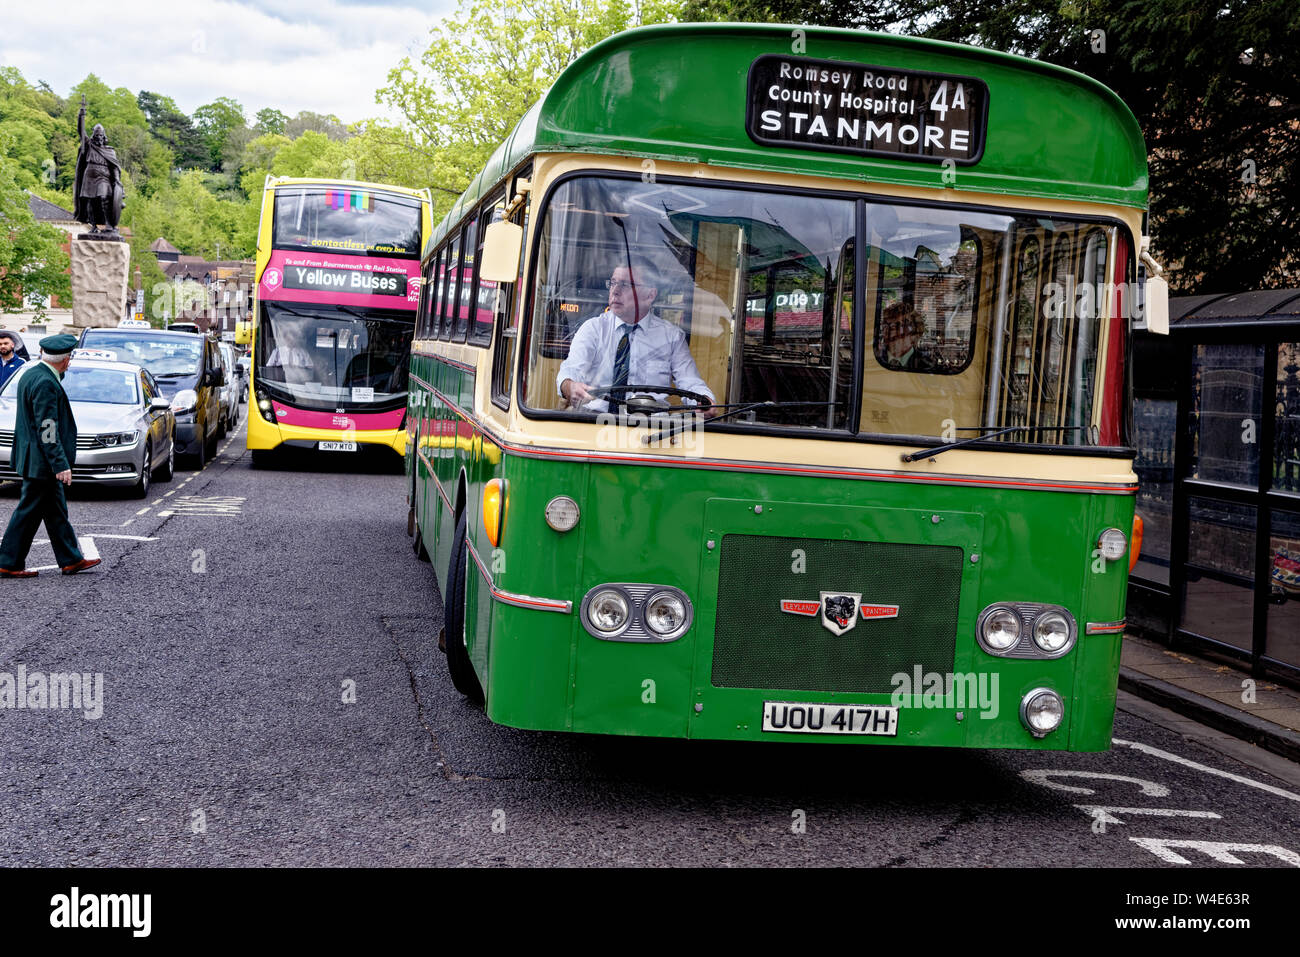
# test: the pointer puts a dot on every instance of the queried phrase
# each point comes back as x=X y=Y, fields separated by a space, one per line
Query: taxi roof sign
x=105 y=354
x=133 y=324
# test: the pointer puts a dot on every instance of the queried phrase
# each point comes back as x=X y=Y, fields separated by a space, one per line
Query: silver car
x=125 y=427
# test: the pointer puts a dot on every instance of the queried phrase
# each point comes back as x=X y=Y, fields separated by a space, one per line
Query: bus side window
x=426 y=300
x=508 y=309
x=483 y=302
x=437 y=292
x=465 y=285
x=451 y=271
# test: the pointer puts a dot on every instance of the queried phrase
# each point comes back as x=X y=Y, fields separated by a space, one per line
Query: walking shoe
x=80 y=566
x=16 y=573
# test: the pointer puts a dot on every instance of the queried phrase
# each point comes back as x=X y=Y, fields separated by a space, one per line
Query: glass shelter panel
x=1224 y=418
x=1220 y=571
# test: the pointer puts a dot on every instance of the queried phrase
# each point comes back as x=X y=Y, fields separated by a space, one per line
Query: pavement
x=1213 y=693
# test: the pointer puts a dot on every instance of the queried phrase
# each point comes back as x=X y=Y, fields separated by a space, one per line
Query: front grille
x=6 y=438
x=756 y=645
x=83 y=441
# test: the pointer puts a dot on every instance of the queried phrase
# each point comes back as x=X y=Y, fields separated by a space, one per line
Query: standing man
x=10 y=360
x=45 y=446
x=628 y=344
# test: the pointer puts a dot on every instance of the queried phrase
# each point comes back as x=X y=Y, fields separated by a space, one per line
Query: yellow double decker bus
x=337 y=284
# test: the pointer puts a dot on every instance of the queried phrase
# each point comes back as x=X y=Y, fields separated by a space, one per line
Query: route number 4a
x=940 y=102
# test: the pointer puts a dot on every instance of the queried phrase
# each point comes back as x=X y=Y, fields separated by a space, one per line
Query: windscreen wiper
x=172 y=375
x=679 y=426
x=985 y=433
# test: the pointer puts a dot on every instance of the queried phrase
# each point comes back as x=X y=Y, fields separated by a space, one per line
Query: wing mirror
x=159 y=404
x=501 y=245
x=243 y=332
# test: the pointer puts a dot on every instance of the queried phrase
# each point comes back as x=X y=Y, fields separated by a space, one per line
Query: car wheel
x=168 y=468
x=222 y=421
x=458 y=664
x=212 y=445
x=200 y=456
x=141 y=487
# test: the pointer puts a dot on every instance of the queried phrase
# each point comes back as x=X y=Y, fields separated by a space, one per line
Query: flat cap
x=59 y=345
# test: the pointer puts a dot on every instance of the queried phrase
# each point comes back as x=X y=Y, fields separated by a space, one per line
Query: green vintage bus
x=769 y=383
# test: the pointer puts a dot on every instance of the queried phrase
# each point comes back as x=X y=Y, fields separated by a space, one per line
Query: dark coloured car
x=189 y=372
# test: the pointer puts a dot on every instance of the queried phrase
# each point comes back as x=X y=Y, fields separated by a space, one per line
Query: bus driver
x=627 y=344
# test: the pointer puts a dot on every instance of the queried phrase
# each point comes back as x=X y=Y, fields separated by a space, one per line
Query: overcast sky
x=323 y=55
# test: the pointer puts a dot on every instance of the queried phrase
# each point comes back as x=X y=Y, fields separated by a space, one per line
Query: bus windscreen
x=350 y=221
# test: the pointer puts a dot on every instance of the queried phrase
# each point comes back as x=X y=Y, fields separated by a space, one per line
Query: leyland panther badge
x=839 y=611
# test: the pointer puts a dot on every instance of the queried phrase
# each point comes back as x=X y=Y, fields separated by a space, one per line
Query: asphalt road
x=234 y=606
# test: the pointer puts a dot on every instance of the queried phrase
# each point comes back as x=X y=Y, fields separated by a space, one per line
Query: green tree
x=306 y=121
x=487 y=65
x=270 y=121
x=217 y=122
x=1214 y=87
x=174 y=129
x=32 y=261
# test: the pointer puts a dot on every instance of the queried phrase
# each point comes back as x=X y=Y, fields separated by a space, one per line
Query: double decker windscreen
x=333 y=357
x=351 y=221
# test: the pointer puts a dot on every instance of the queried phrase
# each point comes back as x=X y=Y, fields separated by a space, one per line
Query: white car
x=125 y=428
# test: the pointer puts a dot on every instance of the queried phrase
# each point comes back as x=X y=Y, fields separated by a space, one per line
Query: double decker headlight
x=665 y=614
x=608 y=612
x=999 y=628
x=1051 y=632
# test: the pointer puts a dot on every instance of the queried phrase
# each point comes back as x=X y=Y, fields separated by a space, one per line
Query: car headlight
x=1041 y=711
x=665 y=614
x=608 y=611
x=117 y=439
x=1051 y=632
x=1113 y=544
x=999 y=629
x=185 y=401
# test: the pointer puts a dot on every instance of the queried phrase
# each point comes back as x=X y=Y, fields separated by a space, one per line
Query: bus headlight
x=184 y=401
x=562 y=513
x=1113 y=543
x=1051 y=632
x=665 y=615
x=264 y=406
x=999 y=629
x=1041 y=711
x=608 y=612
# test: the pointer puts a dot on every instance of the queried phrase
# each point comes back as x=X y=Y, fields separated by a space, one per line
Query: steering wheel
x=648 y=403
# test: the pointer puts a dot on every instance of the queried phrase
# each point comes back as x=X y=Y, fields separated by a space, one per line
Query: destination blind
x=345 y=280
x=844 y=107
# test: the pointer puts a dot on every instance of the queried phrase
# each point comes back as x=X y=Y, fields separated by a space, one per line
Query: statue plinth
x=99 y=275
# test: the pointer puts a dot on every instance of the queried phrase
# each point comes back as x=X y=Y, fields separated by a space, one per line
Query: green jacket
x=45 y=435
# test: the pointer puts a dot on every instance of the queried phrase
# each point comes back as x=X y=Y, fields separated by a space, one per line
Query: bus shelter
x=1216 y=423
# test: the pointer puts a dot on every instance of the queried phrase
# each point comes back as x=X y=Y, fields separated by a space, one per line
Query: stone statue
x=98 y=189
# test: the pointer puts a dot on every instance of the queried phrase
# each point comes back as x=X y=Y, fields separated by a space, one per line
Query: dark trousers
x=42 y=500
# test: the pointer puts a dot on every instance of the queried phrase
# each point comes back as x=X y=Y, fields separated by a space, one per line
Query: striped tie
x=622 y=359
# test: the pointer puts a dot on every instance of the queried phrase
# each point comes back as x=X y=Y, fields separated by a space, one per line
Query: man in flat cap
x=45 y=446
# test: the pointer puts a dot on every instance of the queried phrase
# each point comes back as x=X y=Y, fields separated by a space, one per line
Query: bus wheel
x=261 y=458
x=458 y=663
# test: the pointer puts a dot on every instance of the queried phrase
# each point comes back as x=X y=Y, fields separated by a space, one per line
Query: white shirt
x=658 y=355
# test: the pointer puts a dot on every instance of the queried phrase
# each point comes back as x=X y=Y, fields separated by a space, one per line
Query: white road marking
x=1220 y=851
x=143 y=510
x=1106 y=814
x=170 y=494
x=88 y=549
x=1157 y=753
x=1040 y=776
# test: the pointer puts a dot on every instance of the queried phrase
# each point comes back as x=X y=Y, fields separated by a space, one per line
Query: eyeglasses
x=615 y=284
